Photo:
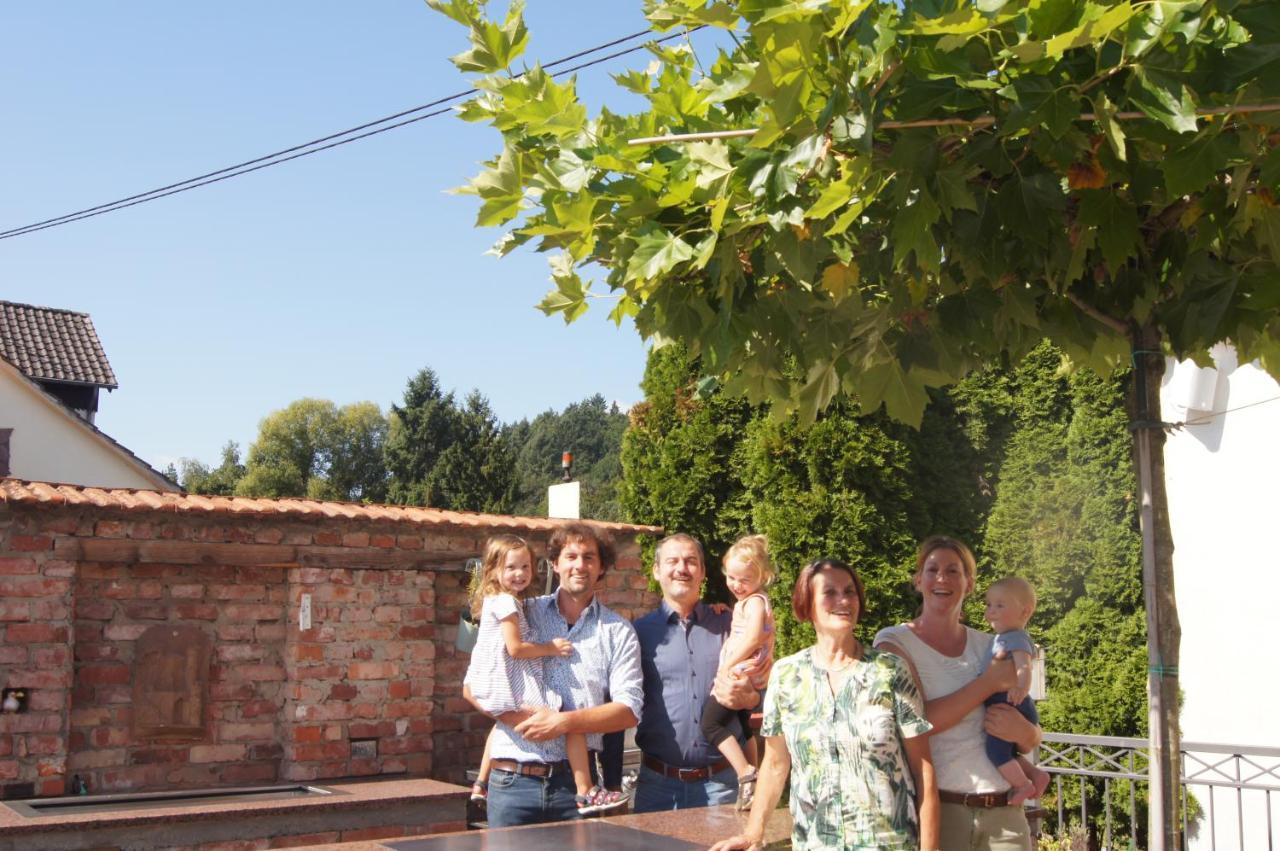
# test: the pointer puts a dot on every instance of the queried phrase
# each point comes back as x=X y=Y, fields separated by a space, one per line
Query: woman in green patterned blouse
x=847 y=722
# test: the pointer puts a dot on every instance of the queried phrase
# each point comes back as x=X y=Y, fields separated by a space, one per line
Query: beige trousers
x=976 y=829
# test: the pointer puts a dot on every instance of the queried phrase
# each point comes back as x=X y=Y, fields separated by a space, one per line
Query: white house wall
x=1222 y=477
x=48 y=445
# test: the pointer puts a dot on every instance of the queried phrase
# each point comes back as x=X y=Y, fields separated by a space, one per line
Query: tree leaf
x=820 y=387
x=840 y=279
x=912 y=232
x=657 y=252
x=1189 y=169
x=1164 y=98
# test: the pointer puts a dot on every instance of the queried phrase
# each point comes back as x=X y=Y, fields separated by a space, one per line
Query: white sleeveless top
x=959 y=754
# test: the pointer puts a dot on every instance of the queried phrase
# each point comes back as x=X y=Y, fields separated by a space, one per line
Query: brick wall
x=370 y=689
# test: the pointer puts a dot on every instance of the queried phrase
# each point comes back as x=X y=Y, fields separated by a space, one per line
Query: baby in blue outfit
x=1010 y=603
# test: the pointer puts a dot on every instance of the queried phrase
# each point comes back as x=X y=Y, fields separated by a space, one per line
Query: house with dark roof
x=52 y=369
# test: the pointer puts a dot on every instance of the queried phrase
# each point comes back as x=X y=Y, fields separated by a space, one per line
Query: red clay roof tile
x=46 y=494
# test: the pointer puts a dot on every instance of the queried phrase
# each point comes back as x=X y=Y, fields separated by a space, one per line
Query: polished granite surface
x=549 y=837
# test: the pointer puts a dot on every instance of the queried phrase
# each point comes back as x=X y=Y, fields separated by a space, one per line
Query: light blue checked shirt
x=604 y=667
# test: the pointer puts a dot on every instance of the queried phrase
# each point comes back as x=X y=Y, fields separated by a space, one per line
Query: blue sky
x=336 y=276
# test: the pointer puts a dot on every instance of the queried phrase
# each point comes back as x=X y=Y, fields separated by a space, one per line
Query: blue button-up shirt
x=679 y=660
x=604 y=667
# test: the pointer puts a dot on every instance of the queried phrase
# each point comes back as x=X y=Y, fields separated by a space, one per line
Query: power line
x=333 y=140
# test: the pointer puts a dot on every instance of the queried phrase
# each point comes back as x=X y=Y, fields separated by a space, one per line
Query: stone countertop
x=349 y=795
x=703 y=826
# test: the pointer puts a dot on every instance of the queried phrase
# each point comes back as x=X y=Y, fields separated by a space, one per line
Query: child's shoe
x=600 y=800
x=746 y=790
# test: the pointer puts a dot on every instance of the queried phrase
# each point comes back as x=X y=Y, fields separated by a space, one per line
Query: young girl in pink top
x=747 y=571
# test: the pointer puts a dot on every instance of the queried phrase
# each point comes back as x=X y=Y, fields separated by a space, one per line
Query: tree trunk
x=1164 y=633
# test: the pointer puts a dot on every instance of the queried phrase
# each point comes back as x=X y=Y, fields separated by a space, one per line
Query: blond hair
x=485 y=582
x=1021 y=590
x=754 y=550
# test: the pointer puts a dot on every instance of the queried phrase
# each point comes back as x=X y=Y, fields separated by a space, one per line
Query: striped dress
x=498 y=682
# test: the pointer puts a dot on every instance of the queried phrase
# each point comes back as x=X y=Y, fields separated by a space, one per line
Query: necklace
x=830 y=669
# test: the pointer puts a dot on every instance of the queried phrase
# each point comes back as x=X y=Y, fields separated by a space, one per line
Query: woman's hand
x=1006 y=722
x=740 y=842
x=1000 y=675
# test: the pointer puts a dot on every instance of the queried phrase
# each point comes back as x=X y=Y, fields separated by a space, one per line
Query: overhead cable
x=332 y=140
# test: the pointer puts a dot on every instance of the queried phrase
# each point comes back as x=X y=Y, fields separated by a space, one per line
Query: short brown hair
x=802 y=594
x=681 y=538
x=578 y=533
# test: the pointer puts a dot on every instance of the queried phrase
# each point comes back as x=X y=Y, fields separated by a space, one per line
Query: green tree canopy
x=592 y=430
x=918 y=190
x=218 y=481
x=315 y=449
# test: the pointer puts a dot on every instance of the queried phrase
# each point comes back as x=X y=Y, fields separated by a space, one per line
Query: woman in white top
x=949 y=661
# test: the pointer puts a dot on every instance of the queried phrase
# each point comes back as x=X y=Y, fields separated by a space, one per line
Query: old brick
x=34 y=587
x=355 y=539
x=91 y=609
x=124 y=631
x=13 y=655
x=104 y=674
x=372 y=670
x=118 y=589
x=258 y=673
x=17 y=566
x=247 y=732
x=239 y=653
x=400 y=689
x=49 y=610
x=50 y=657
x=270 y=632
x=30 y=543
x=58 y=568
x=34 y=633
x=234 y=631
x=216 y=753
x=342 y=691
x=109 y=529
x=251 y=593
x=146 y=611
x=196 y=611
x=186 y=591
x=109 y=737
x=251 y=612
x=15 y=610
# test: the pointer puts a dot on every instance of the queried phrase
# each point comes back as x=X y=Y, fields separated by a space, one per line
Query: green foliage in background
x=314 y=448
x=592 y=430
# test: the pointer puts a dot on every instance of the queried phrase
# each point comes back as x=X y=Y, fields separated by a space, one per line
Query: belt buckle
x=689 y=774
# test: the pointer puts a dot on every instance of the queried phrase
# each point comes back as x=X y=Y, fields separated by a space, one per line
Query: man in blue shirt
x=680 y=652
x=599 y=686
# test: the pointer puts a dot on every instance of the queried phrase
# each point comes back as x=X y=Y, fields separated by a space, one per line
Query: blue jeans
x=654 y=792
x=519 y=799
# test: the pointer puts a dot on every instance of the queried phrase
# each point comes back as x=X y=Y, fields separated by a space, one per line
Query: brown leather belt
x=981 y=800
x=530 y=769
x=688 y=775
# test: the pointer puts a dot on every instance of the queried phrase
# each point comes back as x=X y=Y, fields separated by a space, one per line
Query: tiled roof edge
x=52 y=494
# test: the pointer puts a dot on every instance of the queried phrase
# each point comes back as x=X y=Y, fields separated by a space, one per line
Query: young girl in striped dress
x=505 y=673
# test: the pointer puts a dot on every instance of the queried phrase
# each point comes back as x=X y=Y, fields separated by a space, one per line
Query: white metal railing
x=1239 y=778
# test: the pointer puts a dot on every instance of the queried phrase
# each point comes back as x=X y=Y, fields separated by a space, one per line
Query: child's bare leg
x=751 y=753
x=1038 y=776
x=733 y=752
x=1021 y=788
x=579 y=761
x=482 y=777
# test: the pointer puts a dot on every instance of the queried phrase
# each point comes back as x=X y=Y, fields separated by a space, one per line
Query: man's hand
x=734 y=691
x=543 y=725
x=1017 y=695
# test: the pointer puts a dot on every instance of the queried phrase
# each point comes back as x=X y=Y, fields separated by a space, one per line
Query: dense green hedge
x=1029 y=464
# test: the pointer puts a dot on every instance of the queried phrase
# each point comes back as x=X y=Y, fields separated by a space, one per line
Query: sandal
x=480 y=791
x=746 y=790
x=600 y=800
